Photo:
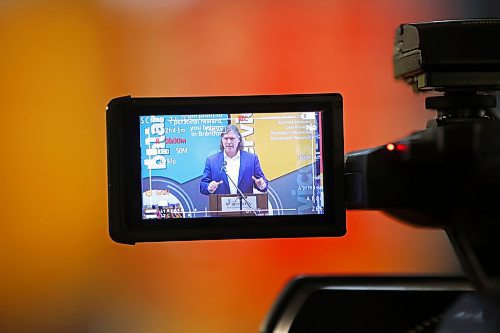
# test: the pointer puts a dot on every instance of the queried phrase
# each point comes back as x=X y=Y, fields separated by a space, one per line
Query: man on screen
x=241 y=166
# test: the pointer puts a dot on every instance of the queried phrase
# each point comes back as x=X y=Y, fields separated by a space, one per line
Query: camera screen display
x=225 y=167
x=225 y=164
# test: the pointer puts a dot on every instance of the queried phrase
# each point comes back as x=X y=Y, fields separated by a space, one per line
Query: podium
x=234 y=205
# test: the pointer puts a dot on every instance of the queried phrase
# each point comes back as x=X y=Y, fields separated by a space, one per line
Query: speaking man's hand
x=260 y=182
x=212 y=187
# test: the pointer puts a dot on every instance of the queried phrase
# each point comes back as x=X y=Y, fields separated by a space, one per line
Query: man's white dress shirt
x=233 y=170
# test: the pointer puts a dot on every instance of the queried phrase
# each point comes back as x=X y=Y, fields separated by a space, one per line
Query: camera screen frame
x=124 y=170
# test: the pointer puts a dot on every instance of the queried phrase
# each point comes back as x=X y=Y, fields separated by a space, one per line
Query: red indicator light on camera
x=401 y=147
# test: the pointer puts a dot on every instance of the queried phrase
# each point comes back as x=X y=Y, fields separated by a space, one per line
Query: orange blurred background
x=62 y=61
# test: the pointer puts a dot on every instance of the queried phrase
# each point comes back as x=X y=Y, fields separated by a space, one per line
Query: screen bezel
x=124 y=171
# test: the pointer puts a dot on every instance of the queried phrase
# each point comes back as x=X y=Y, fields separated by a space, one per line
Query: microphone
x=238 y=190
x=223 y=167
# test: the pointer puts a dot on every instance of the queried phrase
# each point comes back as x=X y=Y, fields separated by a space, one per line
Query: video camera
x=164 y=152
x=448 y=175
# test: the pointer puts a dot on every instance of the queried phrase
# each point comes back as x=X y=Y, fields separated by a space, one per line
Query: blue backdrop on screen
x=176 y=146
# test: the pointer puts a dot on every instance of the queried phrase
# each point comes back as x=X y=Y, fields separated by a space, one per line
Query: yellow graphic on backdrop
x=284 y=142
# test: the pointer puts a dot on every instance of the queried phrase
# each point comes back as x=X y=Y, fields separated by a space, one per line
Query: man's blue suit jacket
x=249 y=166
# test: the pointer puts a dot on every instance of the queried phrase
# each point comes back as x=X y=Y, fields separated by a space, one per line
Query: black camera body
x=447 y=175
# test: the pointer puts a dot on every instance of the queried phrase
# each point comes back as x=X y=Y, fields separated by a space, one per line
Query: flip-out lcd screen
x=194 y=168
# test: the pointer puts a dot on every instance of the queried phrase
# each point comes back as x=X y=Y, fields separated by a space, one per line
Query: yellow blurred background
x=62 y=61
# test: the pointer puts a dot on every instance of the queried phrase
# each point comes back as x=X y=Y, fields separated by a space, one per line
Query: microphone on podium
x=238 y=190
